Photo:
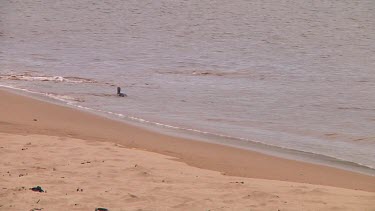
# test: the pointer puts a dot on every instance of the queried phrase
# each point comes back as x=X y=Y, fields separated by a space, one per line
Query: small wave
x=356 y=108
x=101 y=95
x=79 y=80
x=28 y=77
x=65 y=98
x=249 y=74
x=238 y=73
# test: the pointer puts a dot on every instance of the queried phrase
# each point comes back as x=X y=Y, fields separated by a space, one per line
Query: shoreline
x=202 y=136
x=62 y=121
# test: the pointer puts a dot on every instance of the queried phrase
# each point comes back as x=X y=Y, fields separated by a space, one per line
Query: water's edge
x=203 y=136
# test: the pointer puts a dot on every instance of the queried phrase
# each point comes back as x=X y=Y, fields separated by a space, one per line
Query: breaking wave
x=57 y=79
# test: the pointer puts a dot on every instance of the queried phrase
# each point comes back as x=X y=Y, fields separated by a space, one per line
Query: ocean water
x=296 y=75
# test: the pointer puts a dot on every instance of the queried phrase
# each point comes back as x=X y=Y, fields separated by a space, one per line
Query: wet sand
x=124 y=167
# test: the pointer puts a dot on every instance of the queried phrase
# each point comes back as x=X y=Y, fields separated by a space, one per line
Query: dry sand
x=81 y=175
x=65 y=150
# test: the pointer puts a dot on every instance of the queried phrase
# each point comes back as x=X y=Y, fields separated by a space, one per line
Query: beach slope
x=85 y=161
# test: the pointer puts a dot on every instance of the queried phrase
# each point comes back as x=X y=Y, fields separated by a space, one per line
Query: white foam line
x=173 y=127
x=129 y=117
x=46 y=78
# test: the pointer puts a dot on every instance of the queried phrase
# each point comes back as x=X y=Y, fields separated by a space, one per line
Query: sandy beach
x=84 y=161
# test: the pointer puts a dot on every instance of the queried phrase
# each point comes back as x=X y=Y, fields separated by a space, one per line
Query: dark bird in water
x=119 y=92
